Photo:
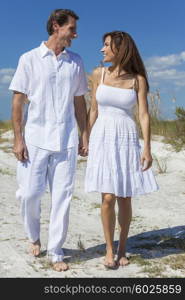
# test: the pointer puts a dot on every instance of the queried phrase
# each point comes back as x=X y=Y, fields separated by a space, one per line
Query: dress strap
x=102 y=75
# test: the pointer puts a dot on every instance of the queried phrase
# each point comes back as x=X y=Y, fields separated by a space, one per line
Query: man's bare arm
x=19 y=147
x=81 y=117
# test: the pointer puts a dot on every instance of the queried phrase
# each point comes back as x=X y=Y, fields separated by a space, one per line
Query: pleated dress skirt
x=114 y=159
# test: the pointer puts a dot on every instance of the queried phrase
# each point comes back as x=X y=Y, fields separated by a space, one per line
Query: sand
x=156 y=237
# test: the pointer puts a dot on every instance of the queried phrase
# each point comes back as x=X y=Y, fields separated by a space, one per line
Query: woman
x=116 y=167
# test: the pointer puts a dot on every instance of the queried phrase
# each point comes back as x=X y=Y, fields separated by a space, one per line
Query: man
x=53 y=80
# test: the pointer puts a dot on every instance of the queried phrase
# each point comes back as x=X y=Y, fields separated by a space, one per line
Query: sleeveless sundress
x=113 y=164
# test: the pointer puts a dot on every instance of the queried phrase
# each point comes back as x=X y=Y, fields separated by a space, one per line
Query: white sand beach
x=156 y=242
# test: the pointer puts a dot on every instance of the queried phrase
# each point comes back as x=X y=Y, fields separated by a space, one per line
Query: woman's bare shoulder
x=141 y=82
x=141 y=79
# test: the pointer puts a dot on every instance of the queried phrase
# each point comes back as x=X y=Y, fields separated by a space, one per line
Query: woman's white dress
x=113 y=164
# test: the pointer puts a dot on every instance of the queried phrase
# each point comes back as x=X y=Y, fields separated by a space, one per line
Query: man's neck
x=54 y=45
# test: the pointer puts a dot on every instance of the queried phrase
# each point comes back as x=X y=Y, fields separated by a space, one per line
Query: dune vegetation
x=172 y=131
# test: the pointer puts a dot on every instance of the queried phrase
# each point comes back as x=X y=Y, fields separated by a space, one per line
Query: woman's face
x=108 y=55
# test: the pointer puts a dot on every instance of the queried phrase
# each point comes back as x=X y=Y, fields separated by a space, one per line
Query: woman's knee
x=108 y=200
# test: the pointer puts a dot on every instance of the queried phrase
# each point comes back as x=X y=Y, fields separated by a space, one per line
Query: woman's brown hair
x=127 y=54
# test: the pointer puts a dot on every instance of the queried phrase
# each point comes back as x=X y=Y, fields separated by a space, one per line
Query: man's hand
x=20 y=150
x=81 y=117
x=83 y=144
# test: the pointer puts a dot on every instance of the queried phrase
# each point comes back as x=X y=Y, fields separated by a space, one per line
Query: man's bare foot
x=109 y=261
x=60 y=266
x=35 y=248
x=122 y=261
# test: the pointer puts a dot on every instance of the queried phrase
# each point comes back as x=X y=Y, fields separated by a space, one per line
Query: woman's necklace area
x=123 y=75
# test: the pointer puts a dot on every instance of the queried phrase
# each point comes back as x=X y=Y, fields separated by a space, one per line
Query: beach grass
x=172 y=131
x=5 y=126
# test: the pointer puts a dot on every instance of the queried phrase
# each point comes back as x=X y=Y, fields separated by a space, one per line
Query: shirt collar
x=44 y=50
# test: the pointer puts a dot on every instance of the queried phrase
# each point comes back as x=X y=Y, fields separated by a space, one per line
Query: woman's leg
x=124 y=219
x=108 y=221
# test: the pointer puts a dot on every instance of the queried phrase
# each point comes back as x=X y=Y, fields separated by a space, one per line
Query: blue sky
x=156 y=26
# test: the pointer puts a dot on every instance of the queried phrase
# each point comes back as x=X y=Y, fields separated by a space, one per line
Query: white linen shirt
x=50 y=83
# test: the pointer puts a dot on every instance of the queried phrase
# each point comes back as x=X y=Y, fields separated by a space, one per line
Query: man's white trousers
x=57 y=169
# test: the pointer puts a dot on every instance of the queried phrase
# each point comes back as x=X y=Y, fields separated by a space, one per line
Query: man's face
x=67 y=32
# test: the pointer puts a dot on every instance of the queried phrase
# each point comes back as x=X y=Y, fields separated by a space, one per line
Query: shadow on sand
x=150 y=244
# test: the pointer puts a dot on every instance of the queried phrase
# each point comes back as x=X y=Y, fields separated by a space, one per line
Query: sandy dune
x=156 y=241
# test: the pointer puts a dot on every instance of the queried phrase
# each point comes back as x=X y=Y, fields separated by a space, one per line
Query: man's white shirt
x=50 y=84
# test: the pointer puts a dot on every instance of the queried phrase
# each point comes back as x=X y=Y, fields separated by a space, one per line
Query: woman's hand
x=146 y=160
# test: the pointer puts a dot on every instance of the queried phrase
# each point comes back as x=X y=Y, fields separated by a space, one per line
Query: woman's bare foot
x=109 y=261
x=60 y=266
x=35 y=248
x=122 y=261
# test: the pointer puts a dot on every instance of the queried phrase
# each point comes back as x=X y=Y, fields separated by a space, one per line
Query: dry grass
x=5 y=126
x=45 y=264
x=161 y=164
x=160 y=267
x=81 y=161
x=154 y=271
x=175 y=262
x=166 y=265
x=136 y=219
x=6 y=149
x=3 y=140
x=76 y=198
x=5 y=172
x=80 y=244
x=172 y=130
x=96 y=205
x=139 y=260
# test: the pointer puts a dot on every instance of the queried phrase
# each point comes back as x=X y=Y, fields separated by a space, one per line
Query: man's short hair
x=60 y=16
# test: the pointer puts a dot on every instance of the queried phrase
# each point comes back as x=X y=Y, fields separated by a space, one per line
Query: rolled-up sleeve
x=82 y=87
x=20 y=81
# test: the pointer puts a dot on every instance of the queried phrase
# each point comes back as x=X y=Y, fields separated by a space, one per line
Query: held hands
x=20 y=150
x=83 y=144
x=146 y=160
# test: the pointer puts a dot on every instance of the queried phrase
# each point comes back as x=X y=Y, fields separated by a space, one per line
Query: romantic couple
x=46 y=145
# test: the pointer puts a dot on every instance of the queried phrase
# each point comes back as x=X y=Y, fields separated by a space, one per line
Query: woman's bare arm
x=144 y=119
